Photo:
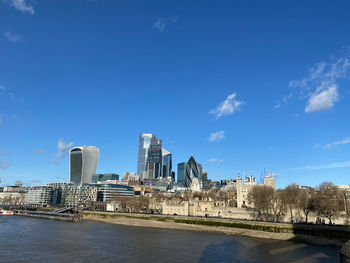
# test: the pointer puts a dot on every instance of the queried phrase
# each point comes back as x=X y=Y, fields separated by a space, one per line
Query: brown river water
x=24 y=239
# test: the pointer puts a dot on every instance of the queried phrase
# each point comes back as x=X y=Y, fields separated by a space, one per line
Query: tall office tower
x=154 y=161
x=187 y=171
x=181 y=168
x=167 y=163
x=145 y=142
x=200 y=173
x=83 y=164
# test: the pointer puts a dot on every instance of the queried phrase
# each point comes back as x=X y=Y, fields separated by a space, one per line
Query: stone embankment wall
x=281 y=231
x=216 y=209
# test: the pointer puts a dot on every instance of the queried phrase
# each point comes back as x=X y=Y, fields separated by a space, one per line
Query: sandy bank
x=149 y=222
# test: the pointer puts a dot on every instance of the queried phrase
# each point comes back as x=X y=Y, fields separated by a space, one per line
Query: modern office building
x=181 y=168
x=154 y=165
x=110 y=192
x=167 y=163
x=74 y=195
x=104 y=177
x=145 y=142
x=83 y=164
x=192 y=170
x=39 y=196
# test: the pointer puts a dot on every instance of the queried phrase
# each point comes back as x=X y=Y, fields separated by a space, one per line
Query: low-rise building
x=74 y=195
x=109 y=192
x=39 y=196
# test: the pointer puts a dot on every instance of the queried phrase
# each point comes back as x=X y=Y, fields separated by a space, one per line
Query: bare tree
x=277 y=205
x=306 y=203
x=328 y=200
x=261 y=196
x=291 y=197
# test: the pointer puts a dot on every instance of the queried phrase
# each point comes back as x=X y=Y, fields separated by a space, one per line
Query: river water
x=24 y=239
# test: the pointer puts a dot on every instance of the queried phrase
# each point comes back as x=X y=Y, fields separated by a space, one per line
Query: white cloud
x=323 y=100
x=63 y=148
x=227 y=107
x=324 y=166
x=21 y=5
x=161 y=23
x=12 y=37
x=40 y=151
x=215 y=161
x=334 y=144
x=285 y=100
x=4 y=90
x=4 y=165
x=217 y=136
x=321 y=85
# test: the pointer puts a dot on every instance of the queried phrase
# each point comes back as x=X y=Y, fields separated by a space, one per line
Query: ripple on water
x=38 y=240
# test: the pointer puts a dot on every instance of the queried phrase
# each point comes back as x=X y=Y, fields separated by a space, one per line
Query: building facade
x=39 y=196
x=110 y=192
x=181 y=168
x=145 y=142
x=104 y=177
x=74 y=195
x=192 y=170
x=167 y=163
x=154 y=161
x=244 y=189
x=83 y=164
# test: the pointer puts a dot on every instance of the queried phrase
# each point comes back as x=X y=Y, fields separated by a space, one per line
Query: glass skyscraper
x=83 y=164
x=186 y=171
x=145 y=142
x=167 y=163
x=154 y=161
x=181 y=167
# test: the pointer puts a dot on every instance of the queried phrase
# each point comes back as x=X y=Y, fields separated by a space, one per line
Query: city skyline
x=234 y=86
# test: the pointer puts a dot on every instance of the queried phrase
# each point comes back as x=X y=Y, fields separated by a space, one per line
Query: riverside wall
x=217 y=209
x=316 y=234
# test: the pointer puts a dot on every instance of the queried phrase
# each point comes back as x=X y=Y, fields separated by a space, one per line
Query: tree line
x=325 y=200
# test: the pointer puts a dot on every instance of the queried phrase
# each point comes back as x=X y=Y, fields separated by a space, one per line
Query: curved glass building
x=83 y=164
x=192 y=170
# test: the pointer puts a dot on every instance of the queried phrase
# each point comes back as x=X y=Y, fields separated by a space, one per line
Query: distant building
x=74 y=195
x=83 y=164
x=104 y=177
x=150 y=182
x=181 y=170
x=154 y=161
x=131 y=179
x=178 y=187
x=192 y=170
x=345 y=188
x=186 y=171
x=110 y=192
x=13 y=195
x=195 y=185
x=167 y=163
x=39 y=195
x=145 y=142
x=163 y=184
x=228 y=185
x=249 y=182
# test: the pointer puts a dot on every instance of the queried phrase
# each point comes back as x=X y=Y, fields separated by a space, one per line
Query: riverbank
x=251 y=229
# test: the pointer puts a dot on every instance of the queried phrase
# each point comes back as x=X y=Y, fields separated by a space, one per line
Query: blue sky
x=237 y=84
